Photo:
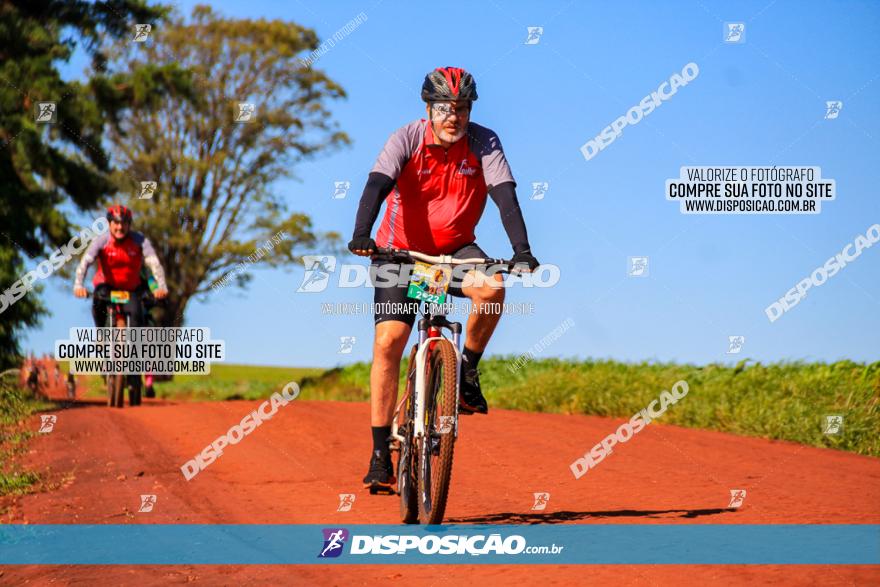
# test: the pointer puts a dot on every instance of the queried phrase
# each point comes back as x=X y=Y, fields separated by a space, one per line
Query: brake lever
x=518 y=268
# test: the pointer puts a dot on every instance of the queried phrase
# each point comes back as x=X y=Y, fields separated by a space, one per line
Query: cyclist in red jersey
x=120 y=255
x=434 y=176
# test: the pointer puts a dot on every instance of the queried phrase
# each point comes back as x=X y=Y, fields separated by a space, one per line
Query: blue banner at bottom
x=148 y=544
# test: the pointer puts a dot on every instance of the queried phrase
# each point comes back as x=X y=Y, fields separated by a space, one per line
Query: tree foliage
x=214 y=206
x=46 y=169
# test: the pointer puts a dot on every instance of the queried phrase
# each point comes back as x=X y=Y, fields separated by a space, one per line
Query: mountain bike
x=425 y=424
x=119 y=310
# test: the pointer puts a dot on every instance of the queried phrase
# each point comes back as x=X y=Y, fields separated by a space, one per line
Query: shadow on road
x=568 y=516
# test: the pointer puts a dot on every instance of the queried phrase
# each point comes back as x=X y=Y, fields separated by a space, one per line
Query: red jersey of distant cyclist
x=119 y=262
x=439 y=194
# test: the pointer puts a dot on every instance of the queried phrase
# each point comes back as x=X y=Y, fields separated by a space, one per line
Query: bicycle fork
x=429 y=332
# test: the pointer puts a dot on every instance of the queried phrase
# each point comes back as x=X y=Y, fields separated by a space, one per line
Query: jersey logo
x=465 y=169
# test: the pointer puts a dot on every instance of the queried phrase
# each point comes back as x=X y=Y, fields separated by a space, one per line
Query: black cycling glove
x=526 y=258
x=363 y=244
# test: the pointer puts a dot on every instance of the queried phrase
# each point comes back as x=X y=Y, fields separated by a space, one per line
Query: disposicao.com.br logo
x=334 y=540
x=319 y=268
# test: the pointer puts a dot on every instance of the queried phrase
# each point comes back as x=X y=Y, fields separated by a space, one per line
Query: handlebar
x=104 y=295
x=404 y=255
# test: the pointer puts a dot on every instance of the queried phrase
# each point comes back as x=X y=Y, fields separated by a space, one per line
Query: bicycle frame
x=113 y=313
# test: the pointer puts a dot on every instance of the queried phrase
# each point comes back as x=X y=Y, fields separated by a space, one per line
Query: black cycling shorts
x=392 y=303
x=99 y=306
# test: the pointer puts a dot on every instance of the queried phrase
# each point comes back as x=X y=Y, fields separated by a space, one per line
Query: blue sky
x=757 y=103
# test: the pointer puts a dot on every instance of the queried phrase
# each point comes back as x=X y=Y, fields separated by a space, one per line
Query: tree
x=213 y=205
x=47 y=168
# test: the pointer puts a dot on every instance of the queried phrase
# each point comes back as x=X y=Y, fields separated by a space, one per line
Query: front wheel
x=407 y=484
x=436 y=446
x=115 y=382
x=134 y=390
x=116 y=391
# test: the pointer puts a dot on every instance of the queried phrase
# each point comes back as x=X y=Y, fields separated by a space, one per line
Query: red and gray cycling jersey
x=120 y=262
x=439 y=194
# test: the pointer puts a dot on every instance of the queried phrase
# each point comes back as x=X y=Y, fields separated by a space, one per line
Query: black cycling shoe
x=471 y=400
x=381 y=473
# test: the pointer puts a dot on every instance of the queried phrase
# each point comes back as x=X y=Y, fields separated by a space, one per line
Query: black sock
x=380 y=438
x=471 y=358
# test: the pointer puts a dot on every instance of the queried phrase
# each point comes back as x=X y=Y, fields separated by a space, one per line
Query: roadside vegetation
x=15 y=406
x=780 y=401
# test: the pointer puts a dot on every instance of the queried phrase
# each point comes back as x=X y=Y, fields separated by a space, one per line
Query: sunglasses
x=442 y=110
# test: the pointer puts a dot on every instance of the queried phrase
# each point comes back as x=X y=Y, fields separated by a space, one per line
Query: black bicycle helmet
x=449 y=84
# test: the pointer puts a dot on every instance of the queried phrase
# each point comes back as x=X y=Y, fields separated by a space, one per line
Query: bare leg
x=391 y=338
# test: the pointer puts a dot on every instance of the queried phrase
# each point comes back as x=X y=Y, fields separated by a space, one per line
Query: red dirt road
x=292 y=469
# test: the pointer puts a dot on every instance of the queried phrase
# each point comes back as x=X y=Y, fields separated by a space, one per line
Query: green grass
x=15 y=406
x=785 y=401
x=17 y=483
x=225 y=382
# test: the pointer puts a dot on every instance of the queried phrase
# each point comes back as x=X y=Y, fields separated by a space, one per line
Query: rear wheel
x=436 y=447
x=407 y=484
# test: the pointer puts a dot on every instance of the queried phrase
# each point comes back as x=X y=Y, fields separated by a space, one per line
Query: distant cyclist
x=435 y=175
x=120 y=254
